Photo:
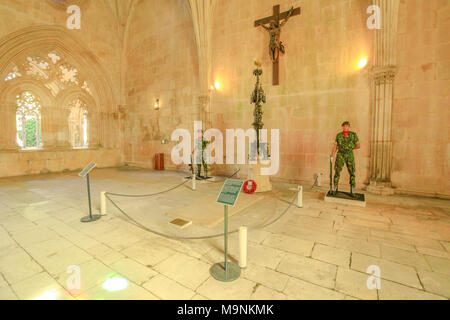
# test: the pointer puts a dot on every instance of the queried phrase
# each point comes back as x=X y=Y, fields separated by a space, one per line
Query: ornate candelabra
x=258 y=98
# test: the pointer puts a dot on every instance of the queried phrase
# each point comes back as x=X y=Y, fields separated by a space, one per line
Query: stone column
x=48 y=130
x=382 y=86
x=8 y=137
x=202 y=15
x=60 y=129
x=93 y=127
x=204 y=112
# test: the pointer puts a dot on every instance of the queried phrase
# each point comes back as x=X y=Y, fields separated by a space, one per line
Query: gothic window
x=52 y=70
x=28 y=121
x=78 y=124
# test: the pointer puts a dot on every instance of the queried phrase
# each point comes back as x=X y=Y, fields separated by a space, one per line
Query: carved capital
x=384 y=74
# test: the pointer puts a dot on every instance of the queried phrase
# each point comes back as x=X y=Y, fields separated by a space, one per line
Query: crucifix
x=275 y=22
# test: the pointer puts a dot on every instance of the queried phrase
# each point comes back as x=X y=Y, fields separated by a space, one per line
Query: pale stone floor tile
x=61 y=260
x=389 y=270
x=6 y=293
x=307 y=234
x=289 y=244
x=354 y=284
x=367 y=223
x=391 y=243
x=301 y=290
x=267 y=277
x=264 y=256
x=105 y=254
x=16 y=265
x=32 y=215
x=118 y=239
x=405 y=257
x=15 y=224
x=148 y=253
x=337 y=256
x=308 y=269
x=92 y=273
x=81 y=240
x=263 y=293
x=333 y=217
x=258 y=236
x=350 y=298
x=3 y=282
x=192 y=273
x=34 y=236
x=5 y=239
x=435 y=283
x=434 y=253
x=40 y=286
x=438 y=264
x=241 y=289
x=394 y=291
x=446 y=245
x=168 y=289
x=357 y=245
x=47 y=247
x=131 y=292
x=199 y=297
x=133 y=270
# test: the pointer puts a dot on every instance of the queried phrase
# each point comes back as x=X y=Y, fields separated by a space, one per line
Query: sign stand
x=227 y=271
x=85 y=173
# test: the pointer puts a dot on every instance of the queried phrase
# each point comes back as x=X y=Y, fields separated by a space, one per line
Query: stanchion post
x=226 y=241
x=103 y=203
x=90 y=217
x=227 y=271
x=243 y=247
x=194 y=179
x=300 y=197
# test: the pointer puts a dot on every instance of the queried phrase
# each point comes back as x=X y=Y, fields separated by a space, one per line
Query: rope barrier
x=145 y=195
x=224 y=180
x=138 y=224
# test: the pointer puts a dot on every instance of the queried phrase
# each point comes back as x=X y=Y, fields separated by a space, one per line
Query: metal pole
x=226 y=241
x=89 y=196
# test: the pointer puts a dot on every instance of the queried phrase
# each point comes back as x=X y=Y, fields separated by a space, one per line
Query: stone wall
x=162 y=63
x=151 y=54
x=320 y=86
x=421 y=113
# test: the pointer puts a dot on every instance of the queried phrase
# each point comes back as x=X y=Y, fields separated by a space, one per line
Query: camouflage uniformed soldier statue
x=346 y=142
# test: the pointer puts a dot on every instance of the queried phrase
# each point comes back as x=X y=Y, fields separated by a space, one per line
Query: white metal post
x=243 y=247
x=300 y=197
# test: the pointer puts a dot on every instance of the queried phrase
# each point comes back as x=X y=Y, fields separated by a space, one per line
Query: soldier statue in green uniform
x=346 y=142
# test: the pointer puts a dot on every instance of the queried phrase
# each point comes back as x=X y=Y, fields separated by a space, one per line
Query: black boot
x=336 y=190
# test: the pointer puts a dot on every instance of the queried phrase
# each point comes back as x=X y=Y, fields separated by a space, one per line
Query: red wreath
x=245 y=187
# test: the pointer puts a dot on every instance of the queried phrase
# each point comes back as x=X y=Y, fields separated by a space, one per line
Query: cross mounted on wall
x=274 y=24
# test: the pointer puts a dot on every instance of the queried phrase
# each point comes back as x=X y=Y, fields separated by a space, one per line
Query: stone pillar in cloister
x=8 y=138
x=382 y=96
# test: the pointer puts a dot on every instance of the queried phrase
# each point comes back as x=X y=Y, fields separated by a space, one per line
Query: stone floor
x=320 y=251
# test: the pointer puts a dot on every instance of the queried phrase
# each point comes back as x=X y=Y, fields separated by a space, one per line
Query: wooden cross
x=277 y=17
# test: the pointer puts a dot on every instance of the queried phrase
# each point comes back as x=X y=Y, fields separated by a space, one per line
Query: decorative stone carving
x=382 y=86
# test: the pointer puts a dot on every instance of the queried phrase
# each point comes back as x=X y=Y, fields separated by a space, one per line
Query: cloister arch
x=58 y=68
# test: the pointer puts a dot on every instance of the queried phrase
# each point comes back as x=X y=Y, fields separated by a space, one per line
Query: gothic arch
x=100 y=97
x=58 y=38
